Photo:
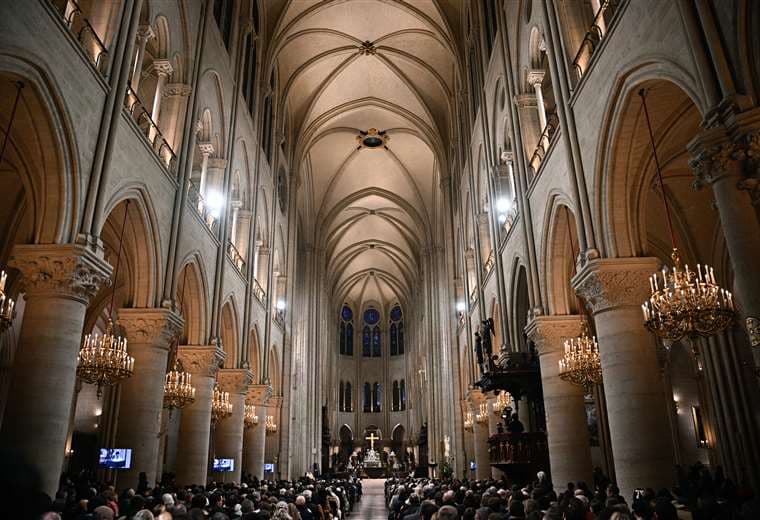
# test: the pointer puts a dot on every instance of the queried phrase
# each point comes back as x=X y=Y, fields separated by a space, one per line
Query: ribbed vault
x=346 y=67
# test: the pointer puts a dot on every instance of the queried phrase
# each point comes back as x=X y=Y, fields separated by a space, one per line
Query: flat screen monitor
x=115 y=458
x=269 y=467
x=473 y=466
x=224 y=464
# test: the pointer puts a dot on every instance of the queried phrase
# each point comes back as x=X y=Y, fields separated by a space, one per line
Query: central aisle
x=372 y=504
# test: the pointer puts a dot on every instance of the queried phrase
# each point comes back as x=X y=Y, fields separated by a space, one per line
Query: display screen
x=269 y=467
x=473 y=466
x=224 y=464
x=115 y=458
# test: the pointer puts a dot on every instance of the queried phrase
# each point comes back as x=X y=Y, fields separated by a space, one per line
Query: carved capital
x=550 y=332
x=274 y=402
x=235 y=380
x=145 y=33
x=610 y=283
x=156 y=327
x=69 y=271
x=201 y=360
x=753 y=330
x=259 y=394
x=710 y=163
x=161 y=68
x=475 y=397
x=177 y=90
x=206 y=148
x=535 y=77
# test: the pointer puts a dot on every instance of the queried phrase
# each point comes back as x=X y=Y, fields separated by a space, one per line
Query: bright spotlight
x=280 y=305
x=215 y=203
x=461 y=307
x=502 y=205
x=502 y=218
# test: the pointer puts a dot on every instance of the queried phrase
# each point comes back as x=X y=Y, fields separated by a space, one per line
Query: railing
x=473 y=297
x=236 y=257
x=258 y=291
x=593 y=37
x=509 y=221
x=518 y=448
x=552 y=122
x=85 y=34
x=195 y=200
x=490 y=261
x=151 y=131
x=279 y=317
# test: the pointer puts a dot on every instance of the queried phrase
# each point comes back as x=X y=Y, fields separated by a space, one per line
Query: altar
x=373 y=465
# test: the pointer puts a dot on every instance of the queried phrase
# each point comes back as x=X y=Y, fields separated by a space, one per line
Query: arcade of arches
x=315 y=205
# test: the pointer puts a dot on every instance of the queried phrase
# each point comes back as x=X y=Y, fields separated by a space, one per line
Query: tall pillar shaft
x=162 y=69
x=228 y=434
x=144 y=33
x=195 y=427
x=149 y=334
x=59 y=281
x=255 y=436
x=482 y=455
x=566 y=428
x=639 y=429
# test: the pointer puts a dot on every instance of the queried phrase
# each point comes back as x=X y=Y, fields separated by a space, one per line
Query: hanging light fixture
x=468 y=421
x=581 y=365
x=249 y=417
x=6 y=304
x=103 y=360
x=683 y=302
x=178 y=388
x=502 y=403
x=482 y=416
x=271 y=426
x=221 y=407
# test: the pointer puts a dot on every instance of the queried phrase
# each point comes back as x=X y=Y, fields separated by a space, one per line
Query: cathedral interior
x=280 y=237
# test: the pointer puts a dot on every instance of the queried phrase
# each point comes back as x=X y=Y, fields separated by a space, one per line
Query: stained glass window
x=366 y=346
x=396 y=332
x=346 y=331
x=371 y=316
x=376 y=350
x=394 y=340
x=367 y=398
x=376 y=398
x=350 y=339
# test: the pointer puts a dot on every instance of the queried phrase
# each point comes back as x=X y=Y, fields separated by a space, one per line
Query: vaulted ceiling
x=345 y=67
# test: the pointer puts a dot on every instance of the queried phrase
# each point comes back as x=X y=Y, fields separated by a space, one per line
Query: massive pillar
x=58 y=282
x=272 y=443
x=566 y=424
x=480 y=436
x=149 y=335
x=195 y=427
x=255 y=435
x=228 y=433
x=639 y=429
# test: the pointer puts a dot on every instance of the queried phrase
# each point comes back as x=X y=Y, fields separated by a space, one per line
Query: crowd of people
x=700 y=495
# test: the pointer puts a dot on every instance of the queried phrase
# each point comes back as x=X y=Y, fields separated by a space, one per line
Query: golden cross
x=372 y=438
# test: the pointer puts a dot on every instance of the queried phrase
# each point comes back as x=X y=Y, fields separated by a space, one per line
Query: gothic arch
x=229 y=333
x=560 y=249
x=192 y=300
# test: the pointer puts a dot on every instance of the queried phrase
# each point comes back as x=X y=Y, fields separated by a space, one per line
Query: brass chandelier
x=482 y=416
x=221 y=407
x=6 y=304
x=580 y=365
x=178 y=388
x=271 y=426
x=249 y=416
x=502 y=403
x=468 y=421
x=683 y=302
x=103 y=360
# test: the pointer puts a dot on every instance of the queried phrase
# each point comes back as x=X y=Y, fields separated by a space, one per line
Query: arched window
x=249 y=72
x=341 y=395
x=376 y=398
x=348 y=402
x=366 y=346
x=367 y=398
x=490 y=13
x=223 y=17
x=346 y=331
x=396 y=406
x=397 y=331
x=402 y=395
x=376 y=347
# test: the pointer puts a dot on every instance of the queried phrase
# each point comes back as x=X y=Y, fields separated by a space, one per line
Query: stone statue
x=487 y=328
x=479 y=352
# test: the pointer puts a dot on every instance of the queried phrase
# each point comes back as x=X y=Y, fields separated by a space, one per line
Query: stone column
x=206 y=150
x=262 y=267
x=58 y=281
x=535 y=78
x=242 y=228
x=272 y=443
x=144 y=33
x=228 y=433
x=202 y=361
x=480 y=436
x=149 y=335
x=162 y=69
x=716 y=162
x=567 y=431
x=614 y=289
x=255 y=436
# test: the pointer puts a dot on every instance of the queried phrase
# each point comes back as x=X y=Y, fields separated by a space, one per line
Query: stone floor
x=372 y=504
